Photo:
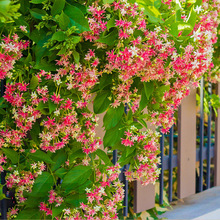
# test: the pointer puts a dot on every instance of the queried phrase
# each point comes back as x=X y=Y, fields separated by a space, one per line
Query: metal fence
x=192 y=153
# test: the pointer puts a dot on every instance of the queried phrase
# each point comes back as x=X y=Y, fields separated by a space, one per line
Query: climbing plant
x=132 y=61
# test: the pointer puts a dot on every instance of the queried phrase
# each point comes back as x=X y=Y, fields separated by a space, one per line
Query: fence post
x=217 y=146
x=144 y=197
x=187 y=146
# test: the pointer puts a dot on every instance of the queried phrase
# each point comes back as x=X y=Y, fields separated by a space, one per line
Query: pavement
x=201 y=206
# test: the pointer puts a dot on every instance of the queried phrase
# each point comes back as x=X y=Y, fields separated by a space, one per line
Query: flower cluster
x=23 y=180
x=145 y=168
x=99 y=205
x=53 y=198
x=10 y=53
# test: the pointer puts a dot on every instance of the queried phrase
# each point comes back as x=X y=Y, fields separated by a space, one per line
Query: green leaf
x=29 y=214
x=76 y=56
x=28 y=60
x=37 y=35
x=25 y=6
x=113 y=116
x=81 y=7
x=105 y=80
x=76 y=199
x=156 y=106
x=76 y=176
x=42 y=105
x=101 y=102
x=129 y=150
x=108 y=1
x=2 y=195
x=77 y=18
x=178 y=26
x=45 y=65
x=35 y=132
x=59 y=159
x=59 y=36
x=37 y=1
x=52 y=106
x=11 y=154
x=61 y=172
x=75 y=39
x=148 y=88
x=77 y=154
x=102 y=155
x=63 y=21
x=42 y=185
x=110 y=38
x=41 y=156
x=114 y=135
x=34 y=82
x=126 y=157
x=152 y=12
x=144 y=100
x=198 y=2
x=2 y=111
x=37 y=13
x=33 y=202
x=58 y=6
x=57 y=210
x=191 y=21
x=111 y=23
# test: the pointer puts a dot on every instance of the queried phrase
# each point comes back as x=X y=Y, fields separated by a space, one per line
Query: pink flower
x=23 y=28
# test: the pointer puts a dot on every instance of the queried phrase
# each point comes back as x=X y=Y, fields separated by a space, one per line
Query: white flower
x=133 y=128
x=108 y=16
x=31 y=119
x=110 y=172
x=133 y=51
x=34 y=166
x=158 y=29
x=57 y=112
x=16 y=172
x=33 y=95
x=145 y=159
x=102 y=190
x=97 y=208
x=87 y=190
x=195 y=64
x=198 y=9
x=24 y=109
x=123 y=12
x=196 y=35
x=130 y=31
x=58 y=82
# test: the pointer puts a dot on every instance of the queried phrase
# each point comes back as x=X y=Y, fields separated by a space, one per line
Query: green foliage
x=42 y=185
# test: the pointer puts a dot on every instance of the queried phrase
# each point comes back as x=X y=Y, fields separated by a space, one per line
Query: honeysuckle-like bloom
x=49 y=114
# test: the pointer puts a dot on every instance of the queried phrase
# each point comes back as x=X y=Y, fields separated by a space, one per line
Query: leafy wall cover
x=133 y=61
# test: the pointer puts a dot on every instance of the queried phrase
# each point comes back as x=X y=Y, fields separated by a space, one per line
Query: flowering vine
x=128 y=62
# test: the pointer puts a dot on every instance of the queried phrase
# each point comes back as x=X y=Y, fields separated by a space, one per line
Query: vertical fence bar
x=3 y=201
x=209 y=133
x=125 y=202
x=217 y=145
x=126 y=167
x=201 y=136
x=170 y=189
x=186 y=151
x=3 y=174
x=115 y=156
x=162 y=168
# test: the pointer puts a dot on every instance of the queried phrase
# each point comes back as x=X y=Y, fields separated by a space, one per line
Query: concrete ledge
x=201 y=206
